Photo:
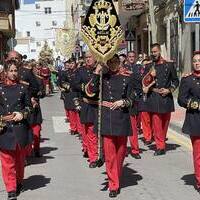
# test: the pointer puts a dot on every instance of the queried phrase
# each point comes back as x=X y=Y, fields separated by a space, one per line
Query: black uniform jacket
x=27 y=75
x=189 y=98
x=115 y=87
x=87 y=112
x=36 y=115
x=136 y=71
x=65 y=82
x=166 y=77
x=15 y=98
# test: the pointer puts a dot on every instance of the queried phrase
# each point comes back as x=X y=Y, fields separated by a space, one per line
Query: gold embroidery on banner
x=102 y=31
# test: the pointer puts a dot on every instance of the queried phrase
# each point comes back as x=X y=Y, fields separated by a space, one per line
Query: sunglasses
x=196 y=60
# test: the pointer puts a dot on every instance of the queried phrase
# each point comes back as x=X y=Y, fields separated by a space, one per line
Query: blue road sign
x=29 y=1
x=192 y=11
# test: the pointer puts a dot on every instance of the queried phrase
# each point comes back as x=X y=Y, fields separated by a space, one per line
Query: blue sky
x=29 y=1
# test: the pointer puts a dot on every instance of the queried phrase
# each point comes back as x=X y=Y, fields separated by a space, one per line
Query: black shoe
x=37 y=154
x=140 y=132
x=93 y=164
x=101 y=162
x=136 y=155
x=85 y=154
x=72 y=132
x=159 y=152
x=148 y=142
x=12 y=195
x=114 y=193
x=19 y=189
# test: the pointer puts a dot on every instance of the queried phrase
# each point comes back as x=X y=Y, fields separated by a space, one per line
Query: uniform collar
x=197 y=74
x=9 y=82
x=161 y=60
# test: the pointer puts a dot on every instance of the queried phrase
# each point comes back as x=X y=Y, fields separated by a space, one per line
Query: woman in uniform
x=189 y=98
x=14 y=129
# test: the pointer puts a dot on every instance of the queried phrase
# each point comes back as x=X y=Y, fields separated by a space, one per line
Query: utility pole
x=152 y=22
x=197 y=37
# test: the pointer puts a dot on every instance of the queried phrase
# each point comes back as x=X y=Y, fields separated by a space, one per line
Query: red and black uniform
x=35 y=119
x=29 y=78
x=116 y=124
x=65 y=82
x=15 y=136
x=134 y=114
x=189 y=98
x=46 y=74
x=160 y=107
x=87 y=113
x=145 y=117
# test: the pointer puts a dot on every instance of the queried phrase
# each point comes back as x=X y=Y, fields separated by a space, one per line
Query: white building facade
x=37 y=21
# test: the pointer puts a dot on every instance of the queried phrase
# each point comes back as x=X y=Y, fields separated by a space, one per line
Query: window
x=33 y=50
x=47 y=10
x=28 y=33
x=37 y=23
x=37 y=6
x=38 y=44
x=54 y=43
x=54 y=23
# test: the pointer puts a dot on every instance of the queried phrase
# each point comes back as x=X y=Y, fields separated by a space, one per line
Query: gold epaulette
x=186 y=75
x=39 y=77
x=170 y=61
x=24 y=82
x=26 y=67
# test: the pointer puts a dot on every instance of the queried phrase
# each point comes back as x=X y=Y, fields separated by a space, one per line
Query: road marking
x=59 y=124
x=179 y=139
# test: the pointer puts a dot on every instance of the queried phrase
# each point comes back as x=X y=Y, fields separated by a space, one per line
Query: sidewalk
x=177 y=118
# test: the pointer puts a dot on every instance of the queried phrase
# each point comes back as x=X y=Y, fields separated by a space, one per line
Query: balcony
x=6 y=23
x=129 y=8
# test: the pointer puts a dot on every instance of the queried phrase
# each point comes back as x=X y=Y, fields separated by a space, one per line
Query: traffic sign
x=129 y=35
x=192 y=11
x=77 y=49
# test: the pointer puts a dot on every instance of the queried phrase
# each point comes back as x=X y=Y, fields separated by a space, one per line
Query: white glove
x=18 y=116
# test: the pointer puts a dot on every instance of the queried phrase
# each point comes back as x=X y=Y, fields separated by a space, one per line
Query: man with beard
x=158 y=98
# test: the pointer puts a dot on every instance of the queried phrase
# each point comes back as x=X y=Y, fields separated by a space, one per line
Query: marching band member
x=116 y=125
x=189 y=98
x=87 y=112
x=158 y=98
x=15 y=132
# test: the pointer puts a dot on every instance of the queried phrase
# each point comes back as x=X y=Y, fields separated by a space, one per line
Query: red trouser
x=36 y=133
x=67 y=114
x=91 y=142
x=79 y=125
x=72 y=119
x=147 y=126
x=196 y=157
x=134 y=138
x=160 y=127
x=12 y=162
x=115 y=152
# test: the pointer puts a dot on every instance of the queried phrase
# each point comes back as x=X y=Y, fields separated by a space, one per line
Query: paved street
x=62 y=173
